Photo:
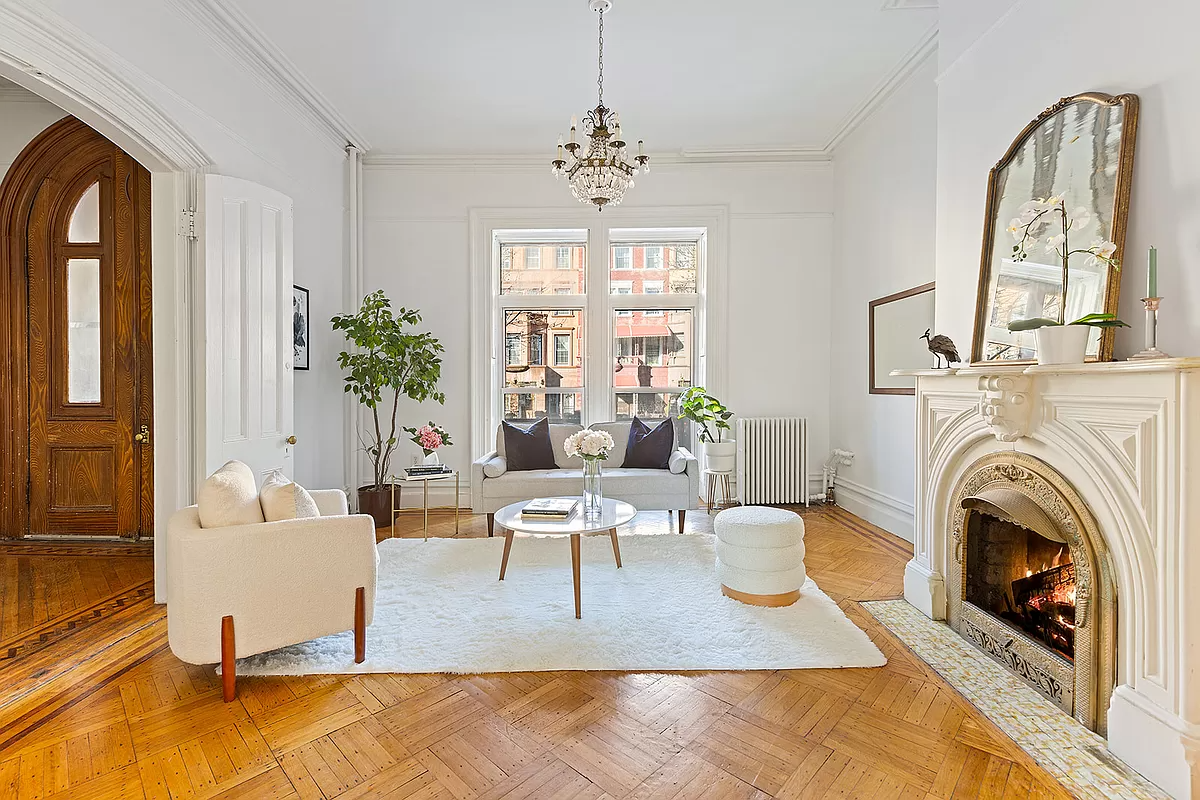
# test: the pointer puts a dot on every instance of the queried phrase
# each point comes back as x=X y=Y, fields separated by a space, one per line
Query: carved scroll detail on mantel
x=1006 y=406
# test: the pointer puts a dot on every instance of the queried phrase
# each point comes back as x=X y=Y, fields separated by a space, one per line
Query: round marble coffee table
x=616 y=513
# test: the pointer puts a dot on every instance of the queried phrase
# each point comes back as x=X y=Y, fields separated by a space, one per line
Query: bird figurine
x=941 y=347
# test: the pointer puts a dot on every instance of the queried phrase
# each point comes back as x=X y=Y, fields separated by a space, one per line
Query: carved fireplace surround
x=1111 y=452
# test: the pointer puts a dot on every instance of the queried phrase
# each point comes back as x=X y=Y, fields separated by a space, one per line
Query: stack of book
x=555 y=508
x=426 y=470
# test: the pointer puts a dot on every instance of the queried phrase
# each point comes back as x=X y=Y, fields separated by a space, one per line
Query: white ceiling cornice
x=525 y=162
x=230 y=29
x=923 y=50
x=905 y=5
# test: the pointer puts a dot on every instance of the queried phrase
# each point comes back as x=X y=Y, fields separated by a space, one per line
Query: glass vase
x=593 y=492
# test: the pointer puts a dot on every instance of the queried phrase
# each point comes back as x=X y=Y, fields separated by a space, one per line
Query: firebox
x=1025 y=578
x=1030 y=584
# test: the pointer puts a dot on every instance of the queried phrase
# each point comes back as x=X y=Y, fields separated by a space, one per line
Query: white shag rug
x=440 y=607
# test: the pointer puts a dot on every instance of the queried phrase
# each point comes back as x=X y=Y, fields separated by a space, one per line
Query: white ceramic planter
x=1062 y=344
x=721 y=456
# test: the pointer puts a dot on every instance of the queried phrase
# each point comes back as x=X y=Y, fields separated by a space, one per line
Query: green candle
x=1152 y=274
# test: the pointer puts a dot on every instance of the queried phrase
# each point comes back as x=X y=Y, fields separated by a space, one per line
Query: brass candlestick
x=1151 y=351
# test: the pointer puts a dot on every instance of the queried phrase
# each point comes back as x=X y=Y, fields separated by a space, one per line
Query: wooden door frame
x=17 y=192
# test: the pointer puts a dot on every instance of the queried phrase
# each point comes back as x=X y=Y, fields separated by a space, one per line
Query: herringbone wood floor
x=95 y=706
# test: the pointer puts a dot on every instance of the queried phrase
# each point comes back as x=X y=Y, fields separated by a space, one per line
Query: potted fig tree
x=389 y=360
x=711 y=415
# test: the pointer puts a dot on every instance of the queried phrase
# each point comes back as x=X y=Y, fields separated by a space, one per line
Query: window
x=532 y=389
x=521 y=268
x=622 y=258
x=677 y=259
x=562 y=349
x=583 y=348
x=654 y=258
x=512 y=347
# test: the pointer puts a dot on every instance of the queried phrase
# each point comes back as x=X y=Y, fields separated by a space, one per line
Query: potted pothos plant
x=389 y=360
x=1049 y=221
x=712 y=417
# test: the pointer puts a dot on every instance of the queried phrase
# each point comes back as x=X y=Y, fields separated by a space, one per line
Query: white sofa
x=239 y=590
x=494 y=486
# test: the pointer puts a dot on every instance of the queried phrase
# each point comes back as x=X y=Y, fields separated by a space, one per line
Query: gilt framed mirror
x=1080 y=150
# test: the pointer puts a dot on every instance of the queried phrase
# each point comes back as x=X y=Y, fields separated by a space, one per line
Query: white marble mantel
x=1126 y=434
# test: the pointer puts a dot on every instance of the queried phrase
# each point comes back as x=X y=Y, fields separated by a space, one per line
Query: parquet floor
x=101 y=709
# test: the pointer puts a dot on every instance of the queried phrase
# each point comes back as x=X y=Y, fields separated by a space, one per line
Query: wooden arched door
x=76 y=214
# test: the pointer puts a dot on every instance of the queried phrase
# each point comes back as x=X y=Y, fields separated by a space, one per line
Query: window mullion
x=597 y=333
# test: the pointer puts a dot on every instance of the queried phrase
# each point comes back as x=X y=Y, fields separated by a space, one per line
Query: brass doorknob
x=144 y=436
x=291 y=440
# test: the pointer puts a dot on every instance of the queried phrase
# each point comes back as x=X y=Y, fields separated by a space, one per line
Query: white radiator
x=772 y=460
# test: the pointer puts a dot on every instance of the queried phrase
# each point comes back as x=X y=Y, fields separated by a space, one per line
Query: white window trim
x=485 y=352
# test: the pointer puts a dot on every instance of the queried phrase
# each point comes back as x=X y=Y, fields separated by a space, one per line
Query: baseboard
x=890 y=513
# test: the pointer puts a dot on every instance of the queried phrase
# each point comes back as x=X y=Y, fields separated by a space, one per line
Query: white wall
x=780 y=228
x=884 y=180
x=23 y=115
x=991 y=86
x=249 y=129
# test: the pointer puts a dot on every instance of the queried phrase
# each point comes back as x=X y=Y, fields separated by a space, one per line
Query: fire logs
x=1045 y=607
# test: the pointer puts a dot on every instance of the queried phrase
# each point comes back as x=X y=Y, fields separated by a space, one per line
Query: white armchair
x=238 y=590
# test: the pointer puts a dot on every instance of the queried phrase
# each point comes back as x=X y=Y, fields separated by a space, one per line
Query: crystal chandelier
x=601 y=173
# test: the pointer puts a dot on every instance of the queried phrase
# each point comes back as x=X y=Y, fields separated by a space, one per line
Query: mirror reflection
x=1078 y=153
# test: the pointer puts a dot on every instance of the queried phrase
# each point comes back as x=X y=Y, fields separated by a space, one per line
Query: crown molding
x=912 y=61
x=907 y=5
x=230 y=29
x=77 y=73
x=526 y=162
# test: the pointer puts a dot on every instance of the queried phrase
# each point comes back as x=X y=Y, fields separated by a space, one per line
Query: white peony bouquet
x=589 y=445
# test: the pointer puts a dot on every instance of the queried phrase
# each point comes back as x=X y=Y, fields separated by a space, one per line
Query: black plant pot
x=377 y=503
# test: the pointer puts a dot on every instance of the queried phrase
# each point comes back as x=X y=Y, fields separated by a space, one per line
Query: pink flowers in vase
x=429 y=437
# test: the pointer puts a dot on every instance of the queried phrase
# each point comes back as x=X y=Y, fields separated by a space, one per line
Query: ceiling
x=436 y=77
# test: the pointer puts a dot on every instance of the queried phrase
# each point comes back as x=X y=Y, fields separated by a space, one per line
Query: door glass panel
x=83 y=330
x=85 y=219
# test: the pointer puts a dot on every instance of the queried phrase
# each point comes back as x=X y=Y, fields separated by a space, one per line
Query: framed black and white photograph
x=299 y=327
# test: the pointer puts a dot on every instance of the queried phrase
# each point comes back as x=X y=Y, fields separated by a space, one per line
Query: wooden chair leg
x=682 y=512
x=228 y=670
x=360 y=625
x=491 y=524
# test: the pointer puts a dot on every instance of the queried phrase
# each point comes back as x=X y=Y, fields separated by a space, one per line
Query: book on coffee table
x=549 y=508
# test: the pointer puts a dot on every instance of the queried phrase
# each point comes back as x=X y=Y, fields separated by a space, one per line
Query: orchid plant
x=1049 y=221
x=429 y=437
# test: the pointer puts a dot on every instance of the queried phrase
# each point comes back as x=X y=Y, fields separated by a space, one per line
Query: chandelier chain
x=600 y=60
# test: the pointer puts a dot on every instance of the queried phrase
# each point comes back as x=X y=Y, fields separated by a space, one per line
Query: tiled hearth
x=1076 y=757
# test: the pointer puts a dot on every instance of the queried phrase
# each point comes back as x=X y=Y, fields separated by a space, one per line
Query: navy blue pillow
x=647 y=448
x=529 y=448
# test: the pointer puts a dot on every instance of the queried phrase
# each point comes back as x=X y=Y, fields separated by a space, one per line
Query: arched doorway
x=76 y=454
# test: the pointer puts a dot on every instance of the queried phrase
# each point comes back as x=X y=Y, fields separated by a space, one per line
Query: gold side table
x=718 y=480
x=424 y=480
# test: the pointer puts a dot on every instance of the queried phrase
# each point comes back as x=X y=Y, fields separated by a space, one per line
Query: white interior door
x=247 y=323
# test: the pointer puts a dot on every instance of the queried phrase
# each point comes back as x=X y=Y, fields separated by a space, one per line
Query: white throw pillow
x=282 y=499
x=678 y=462
x=495 y=466
x=228 y=497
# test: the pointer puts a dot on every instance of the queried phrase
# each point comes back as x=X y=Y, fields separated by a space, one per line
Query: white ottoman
x=760 y=555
